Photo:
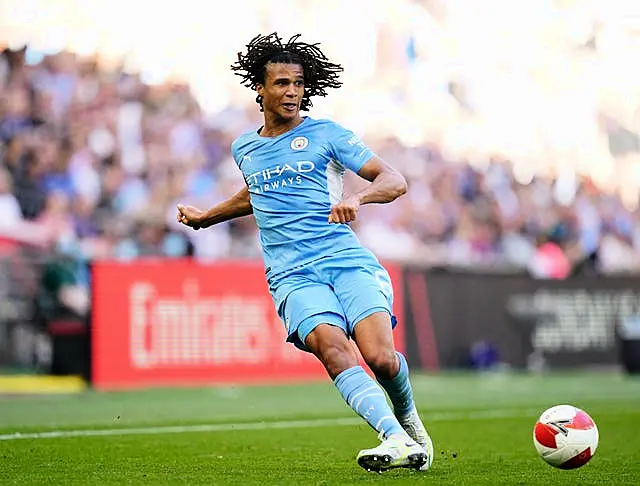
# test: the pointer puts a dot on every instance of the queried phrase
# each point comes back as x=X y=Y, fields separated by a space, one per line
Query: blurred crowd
x=93 y=162
x=457 y=215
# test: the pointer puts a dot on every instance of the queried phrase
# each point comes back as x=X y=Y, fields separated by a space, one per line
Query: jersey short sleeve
x=348 y=149
x=235 y=148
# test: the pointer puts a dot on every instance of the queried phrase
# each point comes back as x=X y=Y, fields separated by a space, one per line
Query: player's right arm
x=236 y=206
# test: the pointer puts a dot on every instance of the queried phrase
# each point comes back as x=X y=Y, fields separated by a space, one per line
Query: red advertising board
x=180 y=322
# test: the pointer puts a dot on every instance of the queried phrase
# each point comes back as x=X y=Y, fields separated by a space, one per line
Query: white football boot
x=393 y=453
x=413 y=426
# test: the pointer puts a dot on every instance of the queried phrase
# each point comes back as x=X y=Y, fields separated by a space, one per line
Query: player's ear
x=260 y=89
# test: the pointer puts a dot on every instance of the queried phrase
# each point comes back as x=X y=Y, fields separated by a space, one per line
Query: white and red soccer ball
x=565 y=437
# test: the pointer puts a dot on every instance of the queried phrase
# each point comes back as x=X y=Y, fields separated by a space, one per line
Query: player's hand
x=190 y=216
x=345 y=211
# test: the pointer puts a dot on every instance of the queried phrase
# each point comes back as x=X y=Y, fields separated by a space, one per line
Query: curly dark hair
x=319 y=72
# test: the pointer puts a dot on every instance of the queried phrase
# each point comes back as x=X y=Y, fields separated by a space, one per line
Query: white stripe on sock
x=367 y=396
x=374 y=387
x=386 y=417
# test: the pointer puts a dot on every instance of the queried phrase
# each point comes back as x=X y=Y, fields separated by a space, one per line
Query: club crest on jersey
x=299 y=143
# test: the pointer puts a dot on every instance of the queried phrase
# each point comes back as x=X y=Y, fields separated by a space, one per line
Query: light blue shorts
x=341 y=290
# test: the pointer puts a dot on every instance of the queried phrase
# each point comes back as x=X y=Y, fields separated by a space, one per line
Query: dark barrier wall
x=23 y=344
x=530 y=322
x=34 y=335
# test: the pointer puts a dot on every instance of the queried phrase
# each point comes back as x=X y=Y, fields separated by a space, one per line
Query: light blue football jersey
x=293 y=181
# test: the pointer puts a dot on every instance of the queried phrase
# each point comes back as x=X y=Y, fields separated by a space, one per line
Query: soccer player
x=326 y=286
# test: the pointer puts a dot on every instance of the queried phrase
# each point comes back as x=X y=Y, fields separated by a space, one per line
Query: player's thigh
x=307 y=307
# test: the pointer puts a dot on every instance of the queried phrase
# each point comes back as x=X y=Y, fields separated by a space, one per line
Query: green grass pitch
x=306 y=435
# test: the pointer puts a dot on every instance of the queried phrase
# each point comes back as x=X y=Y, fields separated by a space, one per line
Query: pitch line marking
x=285 y=424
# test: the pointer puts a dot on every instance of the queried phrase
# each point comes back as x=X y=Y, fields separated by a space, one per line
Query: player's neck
x=274 y=126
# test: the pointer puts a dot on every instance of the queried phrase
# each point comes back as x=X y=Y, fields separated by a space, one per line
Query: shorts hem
x=298 y=335
x=369 y=312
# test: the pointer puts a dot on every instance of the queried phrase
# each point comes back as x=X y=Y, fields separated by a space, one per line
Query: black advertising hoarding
x=565 y=323
x=23 y=344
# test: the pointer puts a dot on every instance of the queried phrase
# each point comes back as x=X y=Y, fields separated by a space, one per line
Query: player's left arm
x=387 y=184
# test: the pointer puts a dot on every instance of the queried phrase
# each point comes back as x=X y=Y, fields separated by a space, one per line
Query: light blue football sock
x=367 y=399
x=399 y=389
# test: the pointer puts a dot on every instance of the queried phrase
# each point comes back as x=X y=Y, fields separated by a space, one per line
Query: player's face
x=283 y=90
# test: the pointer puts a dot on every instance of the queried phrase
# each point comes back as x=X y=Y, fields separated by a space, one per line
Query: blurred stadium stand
x=518 y=133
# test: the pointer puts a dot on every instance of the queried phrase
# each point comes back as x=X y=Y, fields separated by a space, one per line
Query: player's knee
x=383 y=363
x=337 y=357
